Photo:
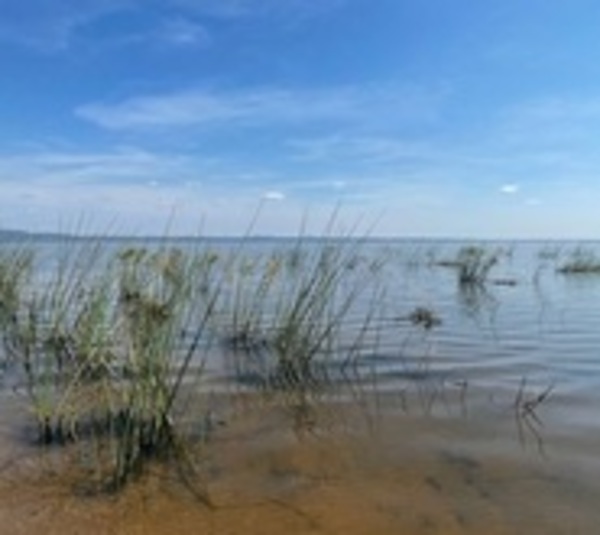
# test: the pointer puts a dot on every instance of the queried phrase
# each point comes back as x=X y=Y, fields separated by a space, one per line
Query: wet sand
x=349 y=474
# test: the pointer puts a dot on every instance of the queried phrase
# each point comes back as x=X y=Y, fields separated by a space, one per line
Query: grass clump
x=287 y=310
x=424 y=316
x=108 y=339
x=581 y=262
x=15 y=272
x=472 y=264
x=156 y=306
x=307 y=322
x=104 y=345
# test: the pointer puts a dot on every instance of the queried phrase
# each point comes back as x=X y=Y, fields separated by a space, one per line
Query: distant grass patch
x=472 y=264
x=581 y=262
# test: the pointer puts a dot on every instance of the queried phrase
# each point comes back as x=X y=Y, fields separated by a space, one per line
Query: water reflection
x=527 y=417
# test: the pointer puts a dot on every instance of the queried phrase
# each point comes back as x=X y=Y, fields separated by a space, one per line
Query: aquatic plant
x=474 y=264
x=424 y=316
x=15 y=271
x=112 y=341
x=107 y=339
x=105 y=346
x=308 y=318
x=582 y=261
x=110 y=338
x=285 y=321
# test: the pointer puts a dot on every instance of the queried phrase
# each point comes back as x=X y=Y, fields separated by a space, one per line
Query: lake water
x=484 y=423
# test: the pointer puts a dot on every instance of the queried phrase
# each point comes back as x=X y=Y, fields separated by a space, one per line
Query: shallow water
x=390 y=472
x=431 y=435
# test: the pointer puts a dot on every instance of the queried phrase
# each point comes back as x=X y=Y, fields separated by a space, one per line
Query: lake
x=437 y=407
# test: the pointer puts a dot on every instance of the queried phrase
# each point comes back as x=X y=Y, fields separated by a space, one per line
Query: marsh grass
x=581 y=261
x=111 y=341
x=288 y=311
x=156 y=306
x=104 y=345
x=474 y=265
x=15 y=272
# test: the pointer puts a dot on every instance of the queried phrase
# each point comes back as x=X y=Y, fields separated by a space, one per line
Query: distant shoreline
x=8 y=235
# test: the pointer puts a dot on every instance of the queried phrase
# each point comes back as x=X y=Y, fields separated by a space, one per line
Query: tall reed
x=110 y=339
x=16 y=265
x=287 y=310
x=105 y=343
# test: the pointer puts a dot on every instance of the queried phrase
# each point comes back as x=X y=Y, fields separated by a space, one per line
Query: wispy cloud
x=49 y=26
x=54 y=26
x=134 y=188
x=50 y=202
x=163 y=32
x=541 y=144
x=138 y=191
x=124 y=164
x=550 y=128
x=262 y=106
x=182 y=31
x=545 y=141
x=373 y=149
x=259 y=8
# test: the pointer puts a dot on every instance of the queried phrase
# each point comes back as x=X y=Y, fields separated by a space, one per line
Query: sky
x=470 y=118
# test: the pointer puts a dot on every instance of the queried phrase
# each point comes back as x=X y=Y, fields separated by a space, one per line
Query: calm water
x=425 y=433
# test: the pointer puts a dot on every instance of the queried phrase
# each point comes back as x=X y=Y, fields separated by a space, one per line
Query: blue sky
x=425 y=118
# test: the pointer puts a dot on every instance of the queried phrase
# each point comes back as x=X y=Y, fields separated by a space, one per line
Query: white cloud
x=273 y=196
x=510 y=189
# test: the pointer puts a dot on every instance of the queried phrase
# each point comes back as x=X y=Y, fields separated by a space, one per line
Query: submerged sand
x=351 y=473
